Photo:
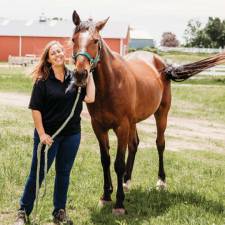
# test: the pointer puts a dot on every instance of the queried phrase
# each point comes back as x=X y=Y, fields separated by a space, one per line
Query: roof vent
x=42 y=18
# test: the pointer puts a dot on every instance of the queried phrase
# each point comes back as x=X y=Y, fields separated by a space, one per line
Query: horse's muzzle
x=81 y=77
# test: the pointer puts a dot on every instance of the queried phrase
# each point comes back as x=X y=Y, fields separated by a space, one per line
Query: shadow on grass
x=142 y=205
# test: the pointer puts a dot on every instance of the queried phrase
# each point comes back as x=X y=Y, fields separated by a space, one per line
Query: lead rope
x=40 y=145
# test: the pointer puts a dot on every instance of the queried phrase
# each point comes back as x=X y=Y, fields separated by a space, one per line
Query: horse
x=128 y=90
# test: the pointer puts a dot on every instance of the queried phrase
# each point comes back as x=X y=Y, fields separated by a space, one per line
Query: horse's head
x=86 y=47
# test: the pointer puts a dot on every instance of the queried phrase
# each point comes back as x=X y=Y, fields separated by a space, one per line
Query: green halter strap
x=93 y=61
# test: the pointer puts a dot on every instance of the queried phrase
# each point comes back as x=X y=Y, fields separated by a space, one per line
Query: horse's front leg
x=102 y=136
x=122 y=133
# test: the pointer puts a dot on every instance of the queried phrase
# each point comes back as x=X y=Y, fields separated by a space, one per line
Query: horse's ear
x=99 y=25
x=76 y=18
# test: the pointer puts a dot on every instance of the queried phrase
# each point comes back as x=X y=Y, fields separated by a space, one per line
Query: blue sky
x=155 y=16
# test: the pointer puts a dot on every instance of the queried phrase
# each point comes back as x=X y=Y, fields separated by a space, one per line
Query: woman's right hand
x=46 y=139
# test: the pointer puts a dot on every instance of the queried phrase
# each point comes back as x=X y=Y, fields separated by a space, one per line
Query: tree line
x=212 y=35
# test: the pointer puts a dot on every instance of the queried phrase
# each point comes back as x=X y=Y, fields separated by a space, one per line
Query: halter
x=93 y=61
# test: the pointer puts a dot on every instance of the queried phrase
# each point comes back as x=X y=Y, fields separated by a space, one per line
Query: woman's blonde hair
x=42 y=69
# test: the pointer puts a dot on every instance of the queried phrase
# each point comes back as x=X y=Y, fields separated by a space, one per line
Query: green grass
x=196 y=181
x=195 y=195
x=15 y=79
x=199 y=101
x=206 y=80
x=184 y=57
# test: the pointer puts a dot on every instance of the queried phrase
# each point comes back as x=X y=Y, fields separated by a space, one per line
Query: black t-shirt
x=55 y=103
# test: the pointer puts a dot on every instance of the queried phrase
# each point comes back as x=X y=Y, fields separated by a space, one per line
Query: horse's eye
x=73 y=40
x=95 y=41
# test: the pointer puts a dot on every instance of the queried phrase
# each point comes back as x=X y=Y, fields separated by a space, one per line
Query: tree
x=169 y=40
x=222 y=38
x=191 y=32
x=215 y=29
x=202 y=40
x=210 y=36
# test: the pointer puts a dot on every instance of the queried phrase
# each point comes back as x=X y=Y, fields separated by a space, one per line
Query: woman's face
x=56 y=55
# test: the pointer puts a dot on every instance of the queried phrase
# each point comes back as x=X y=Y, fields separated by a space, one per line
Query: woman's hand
x=90 y=90
x=46 y=139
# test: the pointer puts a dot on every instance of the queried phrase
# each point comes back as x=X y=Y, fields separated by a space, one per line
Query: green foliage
x=132 y=49
x=210 y=36
x=214 y=29
x=148 y=49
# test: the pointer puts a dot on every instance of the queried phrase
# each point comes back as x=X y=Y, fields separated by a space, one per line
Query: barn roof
x=55 y=28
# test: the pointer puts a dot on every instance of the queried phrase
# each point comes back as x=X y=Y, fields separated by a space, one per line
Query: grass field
x=196 y=184
x=184 y=56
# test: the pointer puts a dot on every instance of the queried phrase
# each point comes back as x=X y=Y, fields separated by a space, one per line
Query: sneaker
x=60 y=218
x=22 y=218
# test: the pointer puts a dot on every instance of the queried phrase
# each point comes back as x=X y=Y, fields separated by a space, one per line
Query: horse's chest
x=104 y=114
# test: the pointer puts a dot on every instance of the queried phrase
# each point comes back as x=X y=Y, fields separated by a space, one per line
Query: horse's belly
x=148 y=100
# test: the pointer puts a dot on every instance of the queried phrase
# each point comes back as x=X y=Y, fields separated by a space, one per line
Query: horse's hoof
x=118 y=211
x=161 y=185
x=127 y=186
x=103 y=203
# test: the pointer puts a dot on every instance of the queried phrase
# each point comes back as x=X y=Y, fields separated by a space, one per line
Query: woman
x=51 y=103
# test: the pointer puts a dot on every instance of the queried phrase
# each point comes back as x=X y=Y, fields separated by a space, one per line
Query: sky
x=155 y=17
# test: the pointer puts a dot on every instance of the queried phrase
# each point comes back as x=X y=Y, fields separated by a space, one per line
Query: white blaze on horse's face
x=83 y=40
x=82 y=63
x=86 y=47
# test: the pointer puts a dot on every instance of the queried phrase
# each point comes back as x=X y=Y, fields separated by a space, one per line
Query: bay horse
x=128 y=90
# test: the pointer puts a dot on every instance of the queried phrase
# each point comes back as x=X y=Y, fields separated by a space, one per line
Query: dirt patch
x=7 y=217
x=14 y=99
x=188 y=134
x=181 y=133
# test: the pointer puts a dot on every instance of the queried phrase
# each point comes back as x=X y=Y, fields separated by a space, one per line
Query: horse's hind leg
x=132 y=149
x=103 y=140
x=161 y=123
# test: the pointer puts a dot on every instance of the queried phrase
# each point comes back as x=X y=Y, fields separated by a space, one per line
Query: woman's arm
x=44 y=138
x=90 y=90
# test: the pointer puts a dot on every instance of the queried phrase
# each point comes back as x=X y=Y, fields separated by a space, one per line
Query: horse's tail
x=183 y=72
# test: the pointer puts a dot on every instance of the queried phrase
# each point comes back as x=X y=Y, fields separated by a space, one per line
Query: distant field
x=15 y=79
x=184 y=57
x=19 y=80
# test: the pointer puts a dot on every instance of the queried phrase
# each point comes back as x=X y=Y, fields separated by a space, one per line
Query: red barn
x=21 y=38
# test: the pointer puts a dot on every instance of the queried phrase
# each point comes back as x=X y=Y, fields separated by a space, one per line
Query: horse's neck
x=104 y=73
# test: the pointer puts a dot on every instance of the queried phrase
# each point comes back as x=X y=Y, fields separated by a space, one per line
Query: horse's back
x=147 y=57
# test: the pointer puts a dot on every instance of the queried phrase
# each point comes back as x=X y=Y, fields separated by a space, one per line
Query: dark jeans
x=63 y=150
